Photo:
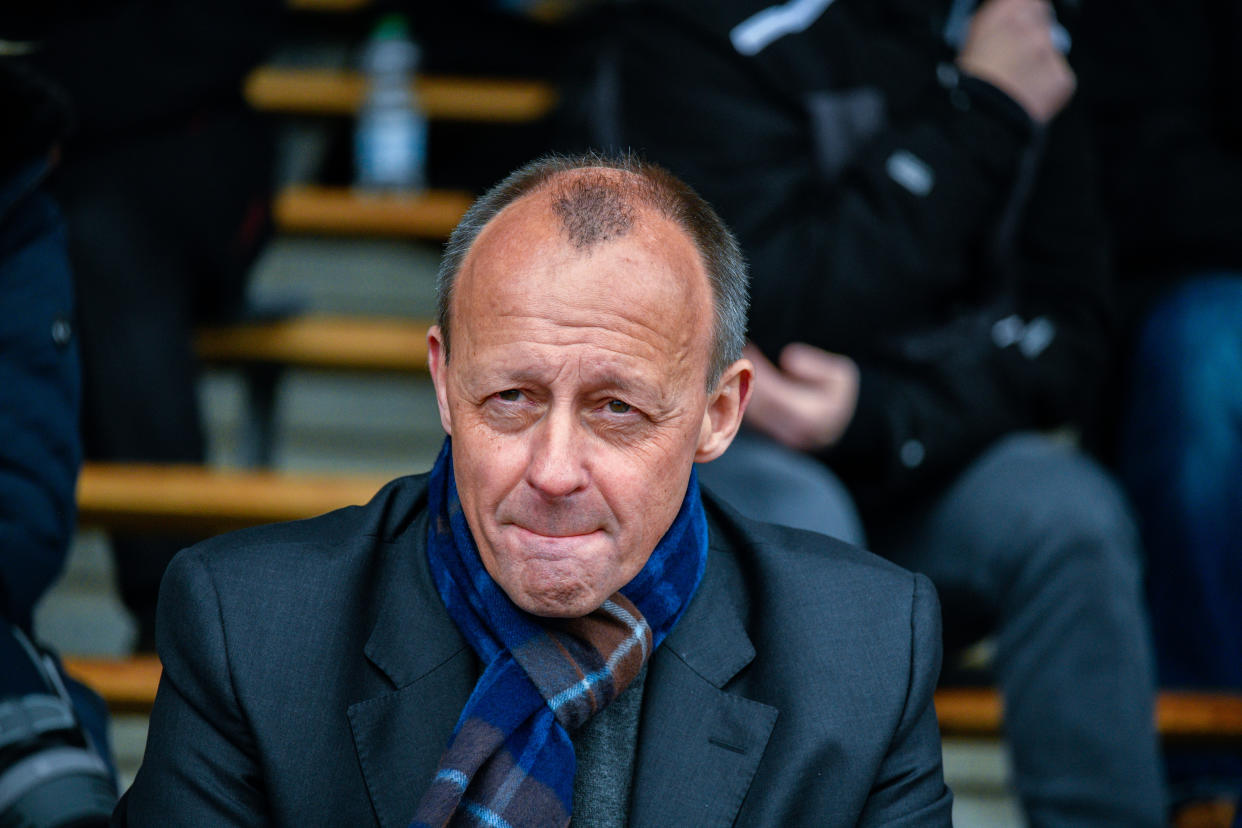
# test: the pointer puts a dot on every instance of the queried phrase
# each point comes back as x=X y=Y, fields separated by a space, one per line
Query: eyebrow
x=604 y=378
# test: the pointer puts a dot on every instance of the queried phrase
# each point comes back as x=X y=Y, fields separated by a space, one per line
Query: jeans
x=1181 y=460
x=1034 y=543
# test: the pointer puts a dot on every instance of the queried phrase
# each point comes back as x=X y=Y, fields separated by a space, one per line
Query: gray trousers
x=1034 y=543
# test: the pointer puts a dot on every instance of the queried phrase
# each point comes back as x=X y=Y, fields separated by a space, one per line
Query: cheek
x=646 y=495
x=485 y=467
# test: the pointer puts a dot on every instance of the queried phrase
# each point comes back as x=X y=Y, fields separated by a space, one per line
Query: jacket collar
x=400 y=734
x=699 y=746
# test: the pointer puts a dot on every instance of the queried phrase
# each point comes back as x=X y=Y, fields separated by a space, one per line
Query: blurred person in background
x=165 y=186
x=912 y=181
x=1165 y=84
x=54 y=758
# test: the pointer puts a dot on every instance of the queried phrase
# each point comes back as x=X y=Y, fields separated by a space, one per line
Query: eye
x=509 y=395
x=618 y=407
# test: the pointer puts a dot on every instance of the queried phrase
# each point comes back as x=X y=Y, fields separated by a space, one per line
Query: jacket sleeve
x=931 y=400
x=200 y=767
x=952 y=218
x=40 y=447
x=757 y=135
x=909 y=789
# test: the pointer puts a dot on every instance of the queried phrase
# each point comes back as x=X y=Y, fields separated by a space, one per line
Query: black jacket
x=312 y=677
x=892 y=210
x=1164 y=83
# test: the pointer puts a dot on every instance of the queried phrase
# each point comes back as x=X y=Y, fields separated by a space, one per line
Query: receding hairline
x=645 y=216
x=636 y=190
x=649 y=192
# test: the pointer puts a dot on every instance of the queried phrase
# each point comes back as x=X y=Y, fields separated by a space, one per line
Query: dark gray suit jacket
x=312 y=677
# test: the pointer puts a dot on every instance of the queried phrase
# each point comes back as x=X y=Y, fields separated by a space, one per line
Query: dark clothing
x=317 y=676
x=916 y=220
x=133 y=66
x=37 y=116
x=1163 y=79
x=893 y=211
x=165 y=186
x=40 y=445
x=40 y=450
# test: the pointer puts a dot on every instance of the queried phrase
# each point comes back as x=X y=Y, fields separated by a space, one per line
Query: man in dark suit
x=554 y=624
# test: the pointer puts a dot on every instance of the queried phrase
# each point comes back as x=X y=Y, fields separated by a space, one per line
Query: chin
x=558 y=599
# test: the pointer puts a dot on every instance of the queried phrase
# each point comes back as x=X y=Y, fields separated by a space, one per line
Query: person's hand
x=808 y=401
x=1010 y=46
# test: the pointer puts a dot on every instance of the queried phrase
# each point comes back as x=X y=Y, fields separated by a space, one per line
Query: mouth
x=554 y=534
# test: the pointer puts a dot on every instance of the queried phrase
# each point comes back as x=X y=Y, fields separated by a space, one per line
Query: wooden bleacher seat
x=320 y=342
x=1180 y=715
x=340 y=211
x=195 y=499
x=339 y=92
x=128 y=685
x=264 y=349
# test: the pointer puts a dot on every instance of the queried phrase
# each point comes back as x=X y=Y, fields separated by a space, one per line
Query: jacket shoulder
x=383 y=519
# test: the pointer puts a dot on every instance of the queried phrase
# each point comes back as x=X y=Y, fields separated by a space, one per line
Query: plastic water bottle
x=390 y=141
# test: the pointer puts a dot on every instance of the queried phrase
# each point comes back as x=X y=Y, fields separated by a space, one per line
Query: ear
x=436 y=362
x=725 y=406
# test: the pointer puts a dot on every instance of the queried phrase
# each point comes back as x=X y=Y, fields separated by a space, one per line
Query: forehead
x=524 y=264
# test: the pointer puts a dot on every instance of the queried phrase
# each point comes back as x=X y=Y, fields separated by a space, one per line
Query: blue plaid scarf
x=510 y=761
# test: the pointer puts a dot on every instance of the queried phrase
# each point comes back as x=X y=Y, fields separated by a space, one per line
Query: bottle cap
x=392 y=27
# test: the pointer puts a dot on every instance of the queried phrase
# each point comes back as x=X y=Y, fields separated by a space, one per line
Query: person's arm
x=201 y=766
x=909 y=789
x=928 y=402
x=40 y=446
x=863 y=267
x=835 y=255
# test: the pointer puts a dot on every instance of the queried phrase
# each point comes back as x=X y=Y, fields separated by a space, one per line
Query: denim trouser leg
x=1038 y=538
x=1182 y=463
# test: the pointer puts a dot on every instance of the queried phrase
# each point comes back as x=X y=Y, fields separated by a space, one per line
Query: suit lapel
x=699 y=746
x=399 y=735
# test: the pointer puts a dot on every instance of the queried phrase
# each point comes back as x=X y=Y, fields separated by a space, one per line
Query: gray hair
x=599 y=208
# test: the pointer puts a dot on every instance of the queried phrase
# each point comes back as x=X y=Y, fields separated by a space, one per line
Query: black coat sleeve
x=201 y=765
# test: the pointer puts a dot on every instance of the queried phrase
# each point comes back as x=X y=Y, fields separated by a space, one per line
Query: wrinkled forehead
x=548 y=241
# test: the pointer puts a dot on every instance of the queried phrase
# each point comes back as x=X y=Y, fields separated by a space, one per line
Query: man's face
x=576 y=399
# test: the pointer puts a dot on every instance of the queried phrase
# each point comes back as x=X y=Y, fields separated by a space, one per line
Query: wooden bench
x=340 y=211
x=1181 y=716
x=265 y=349
x=128 y=685
x=339 y=92
x=370 y=344
x=198 y=500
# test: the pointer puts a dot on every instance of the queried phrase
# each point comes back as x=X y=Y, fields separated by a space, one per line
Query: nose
x=557 y=466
